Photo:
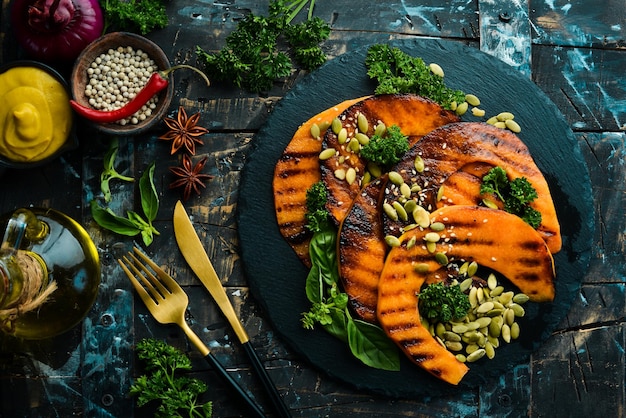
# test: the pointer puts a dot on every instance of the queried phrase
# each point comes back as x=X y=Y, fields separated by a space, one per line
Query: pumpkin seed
x=465 y=284
x=395 y=178
x=415 y=188
x=506 y=333
x=454 y=345
x=405 y=190
x=472 y=297
x=411 y=243
x=492 y=120
x=362 y=138
x=419 y=164
x=472 y=326
x=459 y=329
x=479 y=113
x=483 y=321
x=461 y=109
x=480 y=295
x=402 y=215
x=340 y=173
x=497 y=291
x=502 y=116
x=495 y=327
x=374 y=169
x=520 y=298
x=460 y=357
x=431 y=247
x=451 y=336
x=440 y=330
x=485 y=307
x=350 y=175
x=390 y=211
x=440 y=193
x=336 y=126
x=515 y=330
x=362 y=122
x=472 y=100
x=421 y=268
x=410 y=206
x=324 y=126
x=518 y=310
x=437 y=226
x=513 y=126
x=495 y=342
x=490 y=350
x=327 y=153
x=505 y=298
x=471 y=348
x=453 y=105
x=436 y=69
x=492 y=282
x=421 y=216
x=392 y=241
x=380 y=129
x=463 y=269
x=490 y=204
x=509 y=316
x=315 y=131
x=354 y=145
x=441 y=258
x=342 y=136
x=432 y=237
x=367 y=178
x=495 y=312
x=472 y=268
x=500 y=125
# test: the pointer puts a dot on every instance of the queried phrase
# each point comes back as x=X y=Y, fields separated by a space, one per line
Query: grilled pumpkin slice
x=296 y=171
x=414 y=115
x=449 y=149
x=473 y=234
x=361 y=251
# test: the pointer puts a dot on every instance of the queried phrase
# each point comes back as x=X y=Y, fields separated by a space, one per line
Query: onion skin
x=56 y=31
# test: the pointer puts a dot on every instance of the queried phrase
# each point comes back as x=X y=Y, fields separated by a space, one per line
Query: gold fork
x=168 y=302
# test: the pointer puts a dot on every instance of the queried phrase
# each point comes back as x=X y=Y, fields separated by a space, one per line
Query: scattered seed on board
x=472 y=100
x=436 y=69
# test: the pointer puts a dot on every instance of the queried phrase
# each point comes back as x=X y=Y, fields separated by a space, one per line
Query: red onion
x=56 y=30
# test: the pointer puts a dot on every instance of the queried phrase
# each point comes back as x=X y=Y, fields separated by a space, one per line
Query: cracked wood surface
x=573 y=50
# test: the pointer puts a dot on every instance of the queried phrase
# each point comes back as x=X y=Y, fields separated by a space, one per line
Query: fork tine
x=141 y=290
x=157 y=287
x=165 y=278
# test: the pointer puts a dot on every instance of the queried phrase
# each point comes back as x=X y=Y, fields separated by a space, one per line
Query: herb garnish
x=516 y=194
x=134 y=223
x=252 y=58
x=397 y=72
x=141 y=16
x=388 y=149
x=109 y=172
x=367 y=342
x=442 y=303
x=175 y=394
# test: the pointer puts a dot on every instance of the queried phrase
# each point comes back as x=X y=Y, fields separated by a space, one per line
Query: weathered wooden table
x=574 y=51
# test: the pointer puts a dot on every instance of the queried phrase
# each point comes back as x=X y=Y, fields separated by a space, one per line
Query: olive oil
x=69 y=259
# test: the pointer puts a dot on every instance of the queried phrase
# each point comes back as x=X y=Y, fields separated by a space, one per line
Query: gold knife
x=194 y=253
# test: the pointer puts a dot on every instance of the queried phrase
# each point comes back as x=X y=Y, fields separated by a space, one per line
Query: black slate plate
x=277 y=277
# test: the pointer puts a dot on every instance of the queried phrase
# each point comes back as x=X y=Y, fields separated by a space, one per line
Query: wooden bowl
x=79 y=78
x=71 y=141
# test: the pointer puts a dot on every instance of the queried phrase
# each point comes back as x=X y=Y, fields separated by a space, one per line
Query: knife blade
x=194 y=253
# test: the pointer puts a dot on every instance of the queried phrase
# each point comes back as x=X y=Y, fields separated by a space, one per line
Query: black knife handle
x=210 y=358
x=268 y=385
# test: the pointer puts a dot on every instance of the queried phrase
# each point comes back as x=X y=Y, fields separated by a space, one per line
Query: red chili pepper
x=155 y=84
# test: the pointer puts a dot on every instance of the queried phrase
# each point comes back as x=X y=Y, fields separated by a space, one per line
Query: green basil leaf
x=137 y=220
x=370 y=344
x=313 y=285
x=323 y=253
x=339 y=326
x=146 y=236
x=109 y=220
x=149 y=196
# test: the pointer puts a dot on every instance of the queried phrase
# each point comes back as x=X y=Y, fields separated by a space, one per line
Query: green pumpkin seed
x=419 y=164
x=513 y=126
x=472 y=268
x=432 y=237
x=350 y=175
x=340 y=173
x=502 y=116
x=411 y=243
x=421 y=216
x=354 y=145
x=463 y=268
x=454 y=345
x=492 y=120
x=460 y=357
x=440 y=193
x=472 y=100
x=415 y=188
x=431 y=247
x=324 y=126
x=437 y=226
x=483 y=321
x=492 y=282
x=453 y=105
x=362 y=122
x=520 y=298
x=436 y=69
x=500 y=125
x=480 y=295
x=390 y=211
x=505 y=298
x=495 y=342
x=402 y=215
x=478 y=112
x=485 y=307
x=495 y=312
x=380 y=129
x=497 y=291
x=518 y=310
x=441 y=258
x=315 y=131
x=374 y=169
x=515 y=330
x=392 y=241
x=461 y=108
x=367 y=178
x=490 y=204
x=495 y=327
x=440 y=330
x=405 y=190
x=395 y=178
x=472 y=297
x=451 y=336
x=490 y=350
x=465 y=284
x=342 y=136
x=509 y=316
x=421 y=268
x=506 y=333
x=471 y=348
x=459 y=329
x=410 y=206
x=336 y=126
x=327 y=153
x=362 y=138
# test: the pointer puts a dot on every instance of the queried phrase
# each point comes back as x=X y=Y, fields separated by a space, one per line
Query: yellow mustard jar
x=35 y=116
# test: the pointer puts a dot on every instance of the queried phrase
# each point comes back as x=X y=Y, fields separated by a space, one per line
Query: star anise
x=184 y=131
x=189 y=176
